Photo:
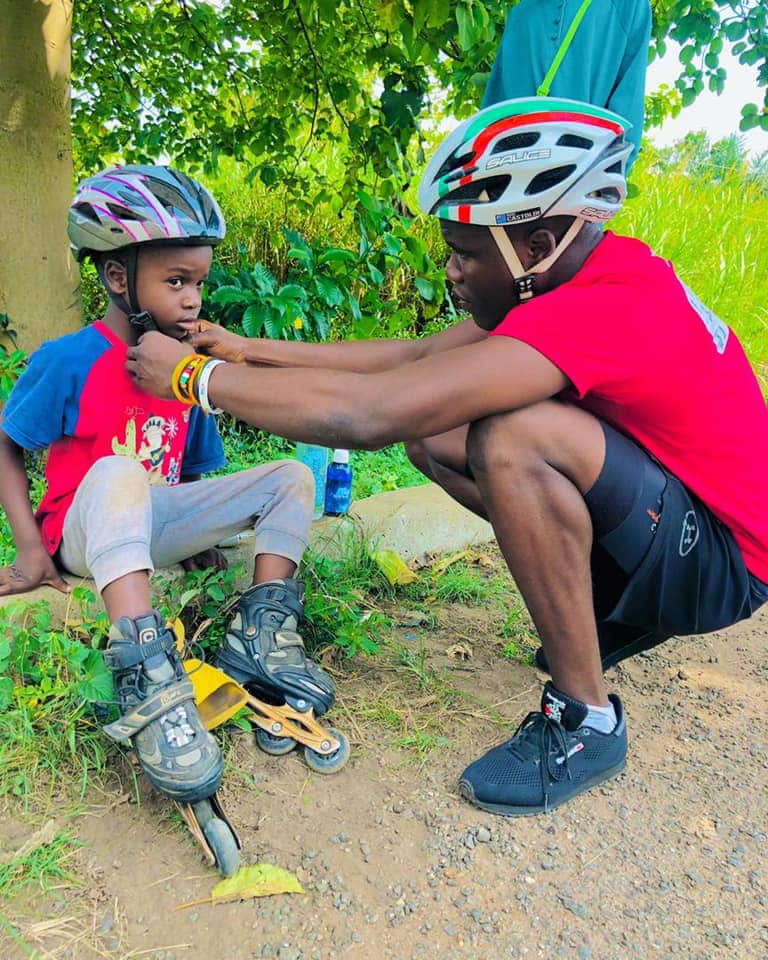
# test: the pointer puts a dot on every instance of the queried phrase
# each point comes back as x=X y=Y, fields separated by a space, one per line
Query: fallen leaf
x=446 y=562
x=393 y=567
x=261 y=880
x=459 y=651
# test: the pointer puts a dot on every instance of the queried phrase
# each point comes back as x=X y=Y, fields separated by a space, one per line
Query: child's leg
x=262 y=647
x=274 y=498
x=107 y=534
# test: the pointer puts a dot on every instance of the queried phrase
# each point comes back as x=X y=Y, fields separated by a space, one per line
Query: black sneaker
x=550 y=759
x=617 y=642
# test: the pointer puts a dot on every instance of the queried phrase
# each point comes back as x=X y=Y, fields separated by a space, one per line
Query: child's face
x=169 y=284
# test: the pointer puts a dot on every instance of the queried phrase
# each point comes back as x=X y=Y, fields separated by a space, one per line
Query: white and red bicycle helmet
x=525 y=159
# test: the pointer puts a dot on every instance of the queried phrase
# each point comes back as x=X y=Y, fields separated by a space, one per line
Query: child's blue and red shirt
x=77 y=399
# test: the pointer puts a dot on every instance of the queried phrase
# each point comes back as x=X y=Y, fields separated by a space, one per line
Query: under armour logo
x=689 y=535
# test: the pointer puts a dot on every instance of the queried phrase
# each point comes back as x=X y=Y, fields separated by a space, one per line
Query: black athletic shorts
x=662 y=563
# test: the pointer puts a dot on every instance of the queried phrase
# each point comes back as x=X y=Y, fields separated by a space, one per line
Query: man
x=607 y=424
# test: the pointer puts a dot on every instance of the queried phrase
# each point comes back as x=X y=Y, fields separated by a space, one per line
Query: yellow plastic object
x=218 y=696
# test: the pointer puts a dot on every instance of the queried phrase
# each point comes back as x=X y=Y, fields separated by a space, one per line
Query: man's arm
x=33 y=566
x=358 y=356
x=367 y=411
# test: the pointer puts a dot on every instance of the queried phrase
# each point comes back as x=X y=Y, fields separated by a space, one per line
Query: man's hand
x=209 y=559
x=32 y=569
x=217 y=342
x=152 y=361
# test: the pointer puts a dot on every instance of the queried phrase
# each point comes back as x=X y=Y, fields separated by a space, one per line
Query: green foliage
x=319 y=98
x=339 y=607
x=12 y=360
x=49 y=677
x=332 y=290
x=704 y=29
x=44 y=866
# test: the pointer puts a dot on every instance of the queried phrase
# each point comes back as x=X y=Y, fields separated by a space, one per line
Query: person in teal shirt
x=603 y=64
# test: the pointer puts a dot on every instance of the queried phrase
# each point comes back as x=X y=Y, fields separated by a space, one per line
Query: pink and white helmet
x=529 y=158
x=134 y=204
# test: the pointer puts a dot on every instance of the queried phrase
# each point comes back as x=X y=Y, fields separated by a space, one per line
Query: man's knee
x=417 y=452
x=503 y=440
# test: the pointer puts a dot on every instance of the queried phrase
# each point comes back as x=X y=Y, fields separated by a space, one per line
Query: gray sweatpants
x=119 y=523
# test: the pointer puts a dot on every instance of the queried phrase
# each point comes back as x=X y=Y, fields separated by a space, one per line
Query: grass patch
x=42 y=865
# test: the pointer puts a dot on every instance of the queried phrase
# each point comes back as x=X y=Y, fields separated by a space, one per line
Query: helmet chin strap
x=141 y=319
x=525 y=280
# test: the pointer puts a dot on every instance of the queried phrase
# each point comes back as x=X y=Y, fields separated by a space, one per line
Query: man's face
x=169 y=284
x=480 y=280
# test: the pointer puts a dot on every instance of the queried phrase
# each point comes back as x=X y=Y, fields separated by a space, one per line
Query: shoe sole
x=507 y=810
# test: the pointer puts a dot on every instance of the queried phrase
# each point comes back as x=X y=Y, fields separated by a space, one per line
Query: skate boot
x=159 y=716
x=263 y=652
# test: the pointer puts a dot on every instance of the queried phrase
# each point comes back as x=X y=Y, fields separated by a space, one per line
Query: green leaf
x=97 y=684
x=6 y=692
x=425 y=287
x=261 y=880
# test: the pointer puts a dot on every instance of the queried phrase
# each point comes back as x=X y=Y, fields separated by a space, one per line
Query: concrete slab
x=414 y=522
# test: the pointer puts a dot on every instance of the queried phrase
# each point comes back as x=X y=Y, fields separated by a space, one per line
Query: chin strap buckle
x=525 y=287
x=144 y=321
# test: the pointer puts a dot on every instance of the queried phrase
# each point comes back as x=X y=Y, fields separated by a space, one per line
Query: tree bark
x=39 y=281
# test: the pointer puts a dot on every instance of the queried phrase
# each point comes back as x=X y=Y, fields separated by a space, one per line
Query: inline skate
x=264 y=654
x=159 y=716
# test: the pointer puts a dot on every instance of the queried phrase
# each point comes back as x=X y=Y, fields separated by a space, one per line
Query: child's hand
x=206 y=560
x=152 y=361
x=31 y=570
x=217 y=342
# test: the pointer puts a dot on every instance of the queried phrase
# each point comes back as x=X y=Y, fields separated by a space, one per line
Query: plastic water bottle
x=316 y=458
x=338 y=484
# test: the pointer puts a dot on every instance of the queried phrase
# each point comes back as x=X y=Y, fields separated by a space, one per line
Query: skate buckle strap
x=288 y=638
x=159 y=703
x=125 y=656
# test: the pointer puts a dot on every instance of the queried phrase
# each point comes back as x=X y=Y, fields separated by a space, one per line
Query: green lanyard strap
x=546 y=83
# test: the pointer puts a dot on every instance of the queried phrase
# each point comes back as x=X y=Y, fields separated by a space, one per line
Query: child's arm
x=33 y=566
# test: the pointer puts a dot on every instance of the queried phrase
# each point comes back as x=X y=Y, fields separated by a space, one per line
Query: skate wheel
x=328 y=762
x=274 y=746
x=224 y=846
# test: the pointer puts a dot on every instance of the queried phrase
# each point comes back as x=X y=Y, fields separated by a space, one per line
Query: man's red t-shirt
x=644 y=354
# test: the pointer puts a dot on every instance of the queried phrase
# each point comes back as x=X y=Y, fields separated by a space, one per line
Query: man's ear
x=116 y=276
x=540 y=243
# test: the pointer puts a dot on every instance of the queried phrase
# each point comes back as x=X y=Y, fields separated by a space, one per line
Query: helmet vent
x=172 y=199
x=86 y=210
x=123 y=213
x=616 y=167
x=571 y=140
x=518 y=141
x=487 y=190
x=549 y=178
x=453 y=162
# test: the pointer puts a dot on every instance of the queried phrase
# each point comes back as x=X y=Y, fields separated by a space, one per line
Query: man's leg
x=533 y=468
x=444 y=460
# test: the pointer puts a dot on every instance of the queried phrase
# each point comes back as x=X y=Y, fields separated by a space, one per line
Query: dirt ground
x=666 y=861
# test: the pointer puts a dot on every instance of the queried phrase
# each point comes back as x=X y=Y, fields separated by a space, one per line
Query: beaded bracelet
x=184 y=376
x=201 y=386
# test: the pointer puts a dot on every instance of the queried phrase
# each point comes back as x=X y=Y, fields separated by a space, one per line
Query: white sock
x=602 y=719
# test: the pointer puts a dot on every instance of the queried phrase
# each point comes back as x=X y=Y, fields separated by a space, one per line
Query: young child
x=124 y=493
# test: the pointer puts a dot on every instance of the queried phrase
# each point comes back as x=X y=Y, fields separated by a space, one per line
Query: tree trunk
x=39 y=281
